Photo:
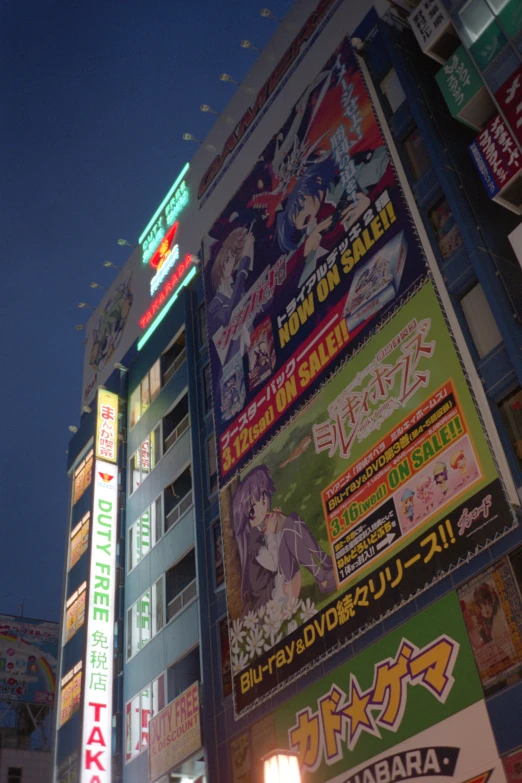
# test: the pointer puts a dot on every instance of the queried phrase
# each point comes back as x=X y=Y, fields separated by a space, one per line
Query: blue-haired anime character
x=273 y=546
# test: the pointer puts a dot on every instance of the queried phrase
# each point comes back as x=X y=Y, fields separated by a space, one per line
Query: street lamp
x=281 y=766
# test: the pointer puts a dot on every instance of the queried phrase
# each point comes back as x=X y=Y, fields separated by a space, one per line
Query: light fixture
x=206 y=109
x=225 y=77
x=83 y=305
x=125 y=243
x=72 y=428
x=79 y=327
x=245 y=44
x=266 y=13
x=281 y=765
x=119 y=366
x=86 y=409
x=110 y=265
x=97 y=285
x=190 y=137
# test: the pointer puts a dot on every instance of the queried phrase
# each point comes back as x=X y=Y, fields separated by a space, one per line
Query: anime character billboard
x=313 y=251
x=375 y=490
x=28 y=659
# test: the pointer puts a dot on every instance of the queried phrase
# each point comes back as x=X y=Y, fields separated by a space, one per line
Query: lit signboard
x=98 y=670
x=107 y=426
x=165 y=216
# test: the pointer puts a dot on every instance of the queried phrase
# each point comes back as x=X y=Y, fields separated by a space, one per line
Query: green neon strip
x=165 y=310
x=169 y=194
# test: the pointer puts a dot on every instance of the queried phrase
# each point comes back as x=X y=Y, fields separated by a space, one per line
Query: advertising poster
x=175 y=733
x=315 y=248
x=240 y=759
x=376 y=490
x=224 y=646
x=513 y=766
x=409 y=707
x=492 y=610
x=28 y=659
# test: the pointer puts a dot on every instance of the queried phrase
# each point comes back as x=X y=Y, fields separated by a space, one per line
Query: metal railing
x=177 y=512
x=177 y=432
x=178 y=361
x=182 y=599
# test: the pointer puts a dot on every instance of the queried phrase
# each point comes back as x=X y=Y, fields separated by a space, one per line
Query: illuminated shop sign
x=165 y=216
x=98 y=669
x=107 y=426
x=182 y=275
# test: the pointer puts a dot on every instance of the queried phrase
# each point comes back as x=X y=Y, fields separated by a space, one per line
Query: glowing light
x=167 y=307
x=149 y=238
x=164 y=269
x=159 y=257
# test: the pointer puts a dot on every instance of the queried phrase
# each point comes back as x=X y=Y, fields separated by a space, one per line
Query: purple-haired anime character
x=272 y=546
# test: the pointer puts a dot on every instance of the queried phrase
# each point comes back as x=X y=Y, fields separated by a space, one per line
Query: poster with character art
x=313 y=251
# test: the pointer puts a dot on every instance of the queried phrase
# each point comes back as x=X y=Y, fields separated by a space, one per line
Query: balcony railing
x=182 y=599
x=178 y=511
x=177 y=432
x=178 y=361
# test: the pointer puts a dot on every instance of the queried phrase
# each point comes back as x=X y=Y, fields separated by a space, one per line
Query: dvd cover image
x=376 y=283
x=261 y=354
x=233 y=391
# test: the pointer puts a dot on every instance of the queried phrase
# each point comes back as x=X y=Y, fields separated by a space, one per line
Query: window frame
x=147 y=380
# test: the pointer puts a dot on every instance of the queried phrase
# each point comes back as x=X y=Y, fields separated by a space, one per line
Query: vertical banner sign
x=98 y=672
x=107 y=426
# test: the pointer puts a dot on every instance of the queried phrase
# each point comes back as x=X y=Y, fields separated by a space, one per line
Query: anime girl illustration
x=440 y=476
x=229 y=274
x=487 y=604
x=273 y=546
x=408 y=505
x=107 y=335
x=426 y=494
x=458 y=462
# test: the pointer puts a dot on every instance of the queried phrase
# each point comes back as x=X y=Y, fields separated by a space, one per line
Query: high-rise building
x=28 y=668
x=296 y=483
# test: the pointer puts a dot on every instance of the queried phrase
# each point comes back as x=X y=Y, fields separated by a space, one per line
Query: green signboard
x=460 y=83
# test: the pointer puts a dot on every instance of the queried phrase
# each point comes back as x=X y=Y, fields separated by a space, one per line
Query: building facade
x=295 y=487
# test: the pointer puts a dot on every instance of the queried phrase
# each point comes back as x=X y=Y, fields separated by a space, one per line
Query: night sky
x=95 y=99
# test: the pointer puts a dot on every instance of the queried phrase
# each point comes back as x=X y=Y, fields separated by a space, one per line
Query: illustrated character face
x=259 y=509
x=310 y=206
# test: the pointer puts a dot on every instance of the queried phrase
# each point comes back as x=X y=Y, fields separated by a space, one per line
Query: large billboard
x=28 y=659
x=175 y=733
x=410 y=707
x=377 y=489
x=315 y=248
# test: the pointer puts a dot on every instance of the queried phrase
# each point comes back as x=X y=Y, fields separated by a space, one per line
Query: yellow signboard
x=107 y=426
x=174 y=733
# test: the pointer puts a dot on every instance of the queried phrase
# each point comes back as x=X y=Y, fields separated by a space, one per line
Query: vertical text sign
x=107 y=426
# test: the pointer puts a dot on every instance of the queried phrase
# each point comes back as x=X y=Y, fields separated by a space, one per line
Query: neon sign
x=181 y=276
x=165 y=215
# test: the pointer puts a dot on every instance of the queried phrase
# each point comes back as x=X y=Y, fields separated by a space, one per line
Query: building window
x=82 y=477
x=145 y=393
x=446 y=230
x=480 y=320
x=70 y=693
x=75 y=611
x=219 y=562
x=174 y=356
x=145 y=618
x=182 y=674
x=138 y=712
x=79 y=540
x=14 y=775
x=202 y=325
x=392 y=90
x=144 y=533
x=145 y=459
x=511 y=412
x=180 y=584
x=207 y=388
x=212 y=464
x=175 y=423
x=417 y=154
x=178 y=498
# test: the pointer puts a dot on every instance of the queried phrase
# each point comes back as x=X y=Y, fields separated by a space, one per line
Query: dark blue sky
x=95 y=99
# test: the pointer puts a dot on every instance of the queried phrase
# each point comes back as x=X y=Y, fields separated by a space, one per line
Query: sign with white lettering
x=98 y=670
x=175 y=733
